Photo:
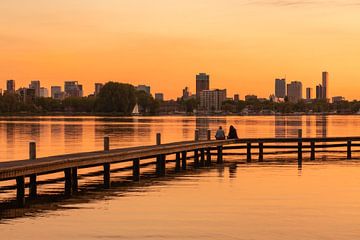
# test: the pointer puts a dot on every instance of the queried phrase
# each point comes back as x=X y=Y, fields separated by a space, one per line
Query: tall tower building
x=36 y=86
x=309 y=93
x=280 y=88
x=325 y=85
x=202 y=83
x=294 y=91
x=10 y=86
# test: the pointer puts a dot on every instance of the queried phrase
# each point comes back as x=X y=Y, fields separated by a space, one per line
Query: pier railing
x=200 y=151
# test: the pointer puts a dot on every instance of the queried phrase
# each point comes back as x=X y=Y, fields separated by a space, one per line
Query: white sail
x=136 y=110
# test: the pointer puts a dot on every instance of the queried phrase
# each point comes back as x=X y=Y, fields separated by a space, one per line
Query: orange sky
x=243 y=44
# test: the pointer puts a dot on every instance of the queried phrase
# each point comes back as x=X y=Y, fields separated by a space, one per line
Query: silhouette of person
x=220 y=134
x=232 y=133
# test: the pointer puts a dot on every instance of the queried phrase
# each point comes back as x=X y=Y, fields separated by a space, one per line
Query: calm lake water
x=238 y=201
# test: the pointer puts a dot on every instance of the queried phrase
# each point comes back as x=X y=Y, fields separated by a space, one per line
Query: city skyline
x=169 y=41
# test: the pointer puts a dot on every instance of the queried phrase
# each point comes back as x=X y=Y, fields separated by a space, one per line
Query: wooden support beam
x=349 y=155
x=74 y=173
x=261 y=152
x=136 y=169
x=20 y=191
x=162 y=167
x=68 y=181
x=202 y=157
x=312 y=154
x=177 y=162
x=32 y=183
x=248 y=152
x=196 y=158
x=300 y=158
x=220 y=155
x=208 y=157
x=107 y=177
x=183 y=160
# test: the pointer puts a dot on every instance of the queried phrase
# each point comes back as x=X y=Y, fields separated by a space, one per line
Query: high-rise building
x=159 y=97
x=325 y=85
x=35 y=84
x=337 y=99
x=27 y=95
x=236 y=97
x=73 y=89
x=211 y=100
x=44 y=92
x=294 y=91
x=202 y=83
x=144 y=88
x=319 y=92
x=10 y=86
x=280 y=88
x=55 y=92
x=98 y=87
x=186 y=93
x=309 y=93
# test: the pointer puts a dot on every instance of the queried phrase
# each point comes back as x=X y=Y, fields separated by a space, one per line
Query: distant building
x=56 y=93
x=251 y=98
x=211 y=100
x=98 y=87
x=236 y=97
x=44 y=92
x=10 y=86
x=159 y=97
x=144 y=88
x=202 y=83
x=27 y=95
x=186 y=93
x=35 y=84
x=294 y=91
x=338 y=99
x=280 y=88
x=319 y=92
x=73 y=89
x=325 y=86
x=309 y=93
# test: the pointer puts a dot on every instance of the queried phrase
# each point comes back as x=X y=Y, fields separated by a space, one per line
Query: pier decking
x=201 y=153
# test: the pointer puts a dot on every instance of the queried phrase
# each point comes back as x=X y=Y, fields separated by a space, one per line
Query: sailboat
x=135 y=111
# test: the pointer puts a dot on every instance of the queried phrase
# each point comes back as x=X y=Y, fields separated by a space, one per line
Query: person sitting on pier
x=220 y=134
x=232 y=133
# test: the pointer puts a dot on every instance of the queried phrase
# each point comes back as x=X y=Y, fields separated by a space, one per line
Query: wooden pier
x=200 y=151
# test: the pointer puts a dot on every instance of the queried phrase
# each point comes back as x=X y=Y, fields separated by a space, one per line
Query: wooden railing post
x=106 y=166
x=20 y=191
x=183 y=160
x=312 y=146
x=196 y=134
x=32 y=184
x=349 y=155
x=68 y=181
x=196 y=158
x=177 y=162
x=160 y=159
x=300 y=147
x=202 y=157
x=220 y=155
x=136 y=169
x=261 y=152
x=208 y=157
x=248 y=152
x=208 y=135
x=74 y=173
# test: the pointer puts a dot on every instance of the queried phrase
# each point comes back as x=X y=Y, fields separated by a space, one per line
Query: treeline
x=117 y=98
x=317 y=106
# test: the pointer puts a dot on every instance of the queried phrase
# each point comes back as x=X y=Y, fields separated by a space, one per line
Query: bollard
x=261 y=152
x=136 y=169
x=300 y=147
x=248 y=152
x=158 y=139
x=349 y=150
x=32 y=183
x=106 y=143
x=312 y=146
x=208 y=134
x=183 y=160
x=196 y=134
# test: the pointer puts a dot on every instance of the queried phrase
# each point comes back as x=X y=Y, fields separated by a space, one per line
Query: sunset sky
x=242 y=44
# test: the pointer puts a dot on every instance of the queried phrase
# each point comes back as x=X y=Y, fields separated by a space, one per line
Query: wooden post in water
x=158 y=157
x=261 y=152
x=312 y=146
x=208 y=135
x=220 y=155
x=136 y=169
x=196 y=134
x=183 y=160
x=163 y=165
x=74 y=173
x=248 y=152
x=68 y=181
x=106 y=166
x=300 y=147
x=32 y=184
x=177 y=162
x=208 y=150
x=202 y=157
x=349 y=150
x=20 y=191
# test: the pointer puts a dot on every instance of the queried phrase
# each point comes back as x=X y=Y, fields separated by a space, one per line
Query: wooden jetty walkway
x=201 y=151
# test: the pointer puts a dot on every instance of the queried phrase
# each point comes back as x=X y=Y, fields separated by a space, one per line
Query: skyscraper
x=319 y=92
x=309 y=94
x=44 y=92
x=98 y=87
x=202 y=83
x=73 y=89
x=35 y=84
x=280 y=88
x=325 y=85
x=56 y=93
x=294 y=91
x=10 y=86
x=211 y=100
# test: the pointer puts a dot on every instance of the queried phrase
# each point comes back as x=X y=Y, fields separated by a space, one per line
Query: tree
x=116 y=97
